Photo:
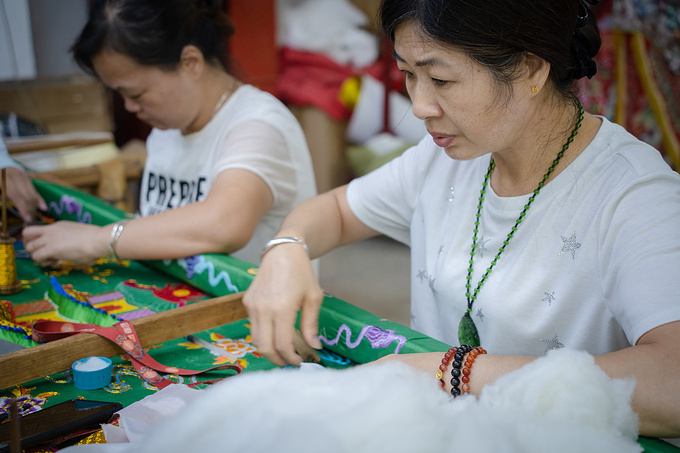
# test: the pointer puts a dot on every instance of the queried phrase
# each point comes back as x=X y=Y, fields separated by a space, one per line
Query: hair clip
x=583 y=16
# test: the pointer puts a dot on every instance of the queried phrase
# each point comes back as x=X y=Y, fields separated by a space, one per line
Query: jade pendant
x=467 y=331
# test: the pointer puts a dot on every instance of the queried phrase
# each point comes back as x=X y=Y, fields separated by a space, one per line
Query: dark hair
x=498 y=34
x=153 y=32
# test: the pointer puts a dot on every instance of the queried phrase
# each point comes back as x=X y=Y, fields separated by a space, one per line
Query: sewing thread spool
x=8 y=265
x=8 y=268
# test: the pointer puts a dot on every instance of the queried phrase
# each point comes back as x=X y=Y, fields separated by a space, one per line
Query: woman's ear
x=192 y=61
x=538 y=71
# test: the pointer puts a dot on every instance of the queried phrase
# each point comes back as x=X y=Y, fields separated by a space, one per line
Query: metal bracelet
x=284 y=240
x=116 y=231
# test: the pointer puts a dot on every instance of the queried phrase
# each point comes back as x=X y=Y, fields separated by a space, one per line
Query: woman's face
x=457 y=98
x=163 y=99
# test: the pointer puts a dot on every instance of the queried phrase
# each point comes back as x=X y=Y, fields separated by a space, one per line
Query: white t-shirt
x=593 y=266
x=252 y=131
x=5 y=159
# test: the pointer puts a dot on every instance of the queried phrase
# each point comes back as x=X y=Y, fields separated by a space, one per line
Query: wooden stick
x=4 y=204
x=56 y=356
x=15 y=427
x=56 y=141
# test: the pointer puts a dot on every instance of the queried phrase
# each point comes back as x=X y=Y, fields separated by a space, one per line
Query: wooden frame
x=57 y=356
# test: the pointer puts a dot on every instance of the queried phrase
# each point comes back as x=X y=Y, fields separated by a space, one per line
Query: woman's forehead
x=119 y=71
x=413 y=45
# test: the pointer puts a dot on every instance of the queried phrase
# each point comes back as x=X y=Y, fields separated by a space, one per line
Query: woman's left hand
x=78 y=243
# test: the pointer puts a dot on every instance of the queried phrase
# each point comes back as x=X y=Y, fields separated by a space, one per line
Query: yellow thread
x=8 y=269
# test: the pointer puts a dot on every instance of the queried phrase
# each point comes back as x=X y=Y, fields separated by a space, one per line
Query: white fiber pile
x=559 y=403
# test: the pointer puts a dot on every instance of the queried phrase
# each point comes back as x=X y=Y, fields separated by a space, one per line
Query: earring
x=534 y=89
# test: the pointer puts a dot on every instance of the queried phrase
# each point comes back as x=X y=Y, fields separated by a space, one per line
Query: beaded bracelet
x=460 y=372
x=446 y=360
x=455 y=368
x=465 y=378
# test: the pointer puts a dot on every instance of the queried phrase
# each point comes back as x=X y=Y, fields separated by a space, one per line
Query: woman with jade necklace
x=533 y=225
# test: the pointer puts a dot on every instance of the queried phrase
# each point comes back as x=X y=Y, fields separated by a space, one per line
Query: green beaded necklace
x=467 y=331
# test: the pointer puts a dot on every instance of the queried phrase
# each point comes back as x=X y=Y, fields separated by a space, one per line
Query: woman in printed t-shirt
x=532 y=224
x=226 y=162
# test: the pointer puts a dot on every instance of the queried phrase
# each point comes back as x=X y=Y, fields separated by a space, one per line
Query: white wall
x=55 y=25
x=17 y=59
x=36 y=35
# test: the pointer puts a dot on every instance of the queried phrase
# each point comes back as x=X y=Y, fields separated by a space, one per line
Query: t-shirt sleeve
x=5 y=159
x=640 y=254
x=385 y=199
x=261 y=148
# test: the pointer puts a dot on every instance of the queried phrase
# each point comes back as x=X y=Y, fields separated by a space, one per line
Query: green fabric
x=215 y=274
x=654 y=445
x=220 y=274
x=102 y=278
x=356 y=335
x=127 y=387
x=66 y=203
x=140 y=285
x=344 y=322
x=70 y=308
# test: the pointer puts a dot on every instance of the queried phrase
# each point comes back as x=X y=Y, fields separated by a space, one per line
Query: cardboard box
x=60 y=104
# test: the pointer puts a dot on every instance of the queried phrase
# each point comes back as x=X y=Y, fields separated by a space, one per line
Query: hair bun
x=584 y=66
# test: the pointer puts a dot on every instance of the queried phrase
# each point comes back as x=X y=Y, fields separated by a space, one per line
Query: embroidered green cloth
x=109 y=291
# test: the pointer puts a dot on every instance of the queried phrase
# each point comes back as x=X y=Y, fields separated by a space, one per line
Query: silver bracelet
x=284 y=240
x=116 y=231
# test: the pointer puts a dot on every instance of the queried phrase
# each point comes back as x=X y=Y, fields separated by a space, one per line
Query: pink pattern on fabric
x=135 y=314
x=32 y=308
x=107 y=297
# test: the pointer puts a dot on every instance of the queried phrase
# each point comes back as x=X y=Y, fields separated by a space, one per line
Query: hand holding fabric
x=68 y=241
x=285 y=283
x=22 y=193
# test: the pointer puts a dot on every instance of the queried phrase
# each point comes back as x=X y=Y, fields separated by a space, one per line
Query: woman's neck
x=219 y=86
x=519 y=171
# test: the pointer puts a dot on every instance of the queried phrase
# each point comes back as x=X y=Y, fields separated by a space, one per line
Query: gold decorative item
x=8 y=266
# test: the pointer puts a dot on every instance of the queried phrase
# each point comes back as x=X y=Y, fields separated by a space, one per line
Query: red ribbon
x=124 y=335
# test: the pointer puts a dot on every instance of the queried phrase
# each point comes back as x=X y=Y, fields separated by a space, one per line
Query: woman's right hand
x=22 y=192
x=75 y=242
x=285 y=283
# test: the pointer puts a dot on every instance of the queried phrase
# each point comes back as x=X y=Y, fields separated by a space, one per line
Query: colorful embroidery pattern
x=69 y=206
x=377 y=337
x=198 y=264
x=26 y=403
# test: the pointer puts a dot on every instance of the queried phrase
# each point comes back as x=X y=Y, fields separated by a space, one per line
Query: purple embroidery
x=71 y=206
x=27 y=404
x=191 y=263
x=378 y=338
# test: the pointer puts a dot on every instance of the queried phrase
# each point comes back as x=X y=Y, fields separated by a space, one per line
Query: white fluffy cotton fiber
x=559 y=403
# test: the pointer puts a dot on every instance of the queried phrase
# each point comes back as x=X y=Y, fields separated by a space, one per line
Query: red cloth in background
x=310 y=79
